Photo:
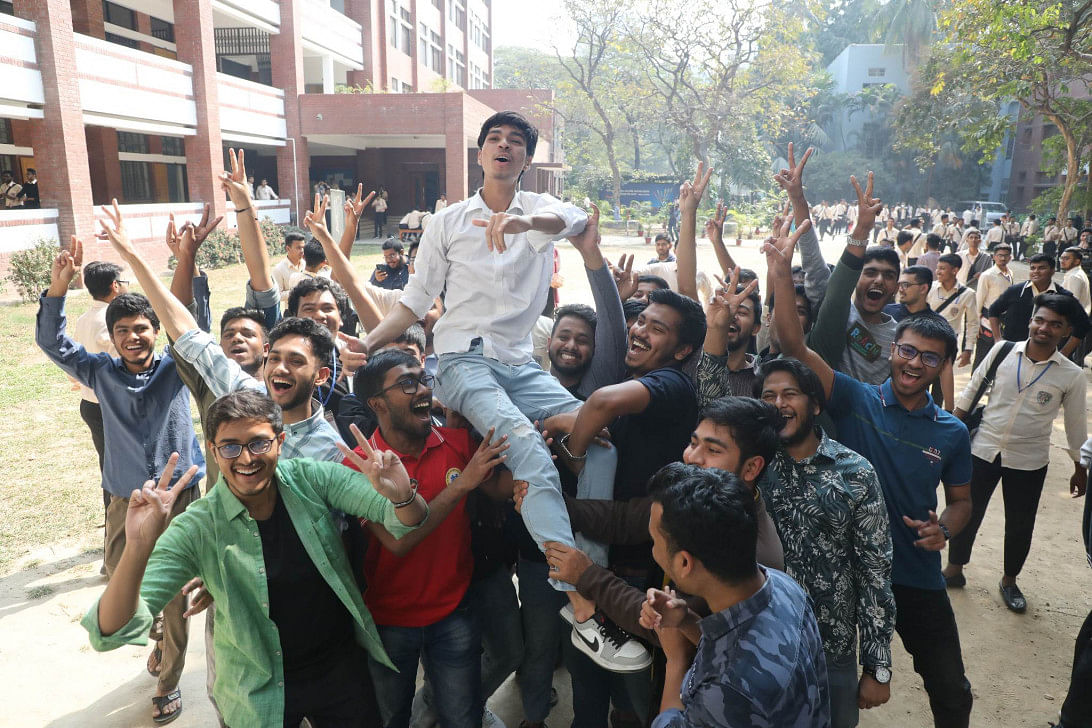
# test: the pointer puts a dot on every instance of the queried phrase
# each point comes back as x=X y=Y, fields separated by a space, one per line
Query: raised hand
x=714 y=227
x=182 y=241
x=868 y=207
x=66 y=266
x=234 y=182
x=489 y=455
x=315 y=218
x=205 y=227
x=792 y=180
x=690 y=193
x=500 y=224
x=354 y=206
x=150 y=506
x=779 y=250
x=385 y=471
x=624 y=277
x=587 y=242
x=115 y=231
x=722 y=309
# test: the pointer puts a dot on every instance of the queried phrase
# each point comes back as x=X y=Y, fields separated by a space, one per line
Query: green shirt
x=216 y=539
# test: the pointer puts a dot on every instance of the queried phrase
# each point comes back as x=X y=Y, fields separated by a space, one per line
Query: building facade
x=139 y=100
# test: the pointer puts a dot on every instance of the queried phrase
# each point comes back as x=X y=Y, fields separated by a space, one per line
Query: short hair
x=883 y=255
x=99 y=277
x=915 y=221
x=692 y=327
x=632 y=308
x=243 y=404
x=661 y=236
x=933 y=241
x=660 y=282
x=921 y=273
x=1072 y=250
x=755 y=425
x=746 y=275
x=1041 y=258
x=710 y=514
x=368 y=381
x=307 y=286
x=130 y=304
x=930 y=327
x=31 y=170
x=392 y=244
x=806 y=379
x=238 y=312
x=997 y=221
x=414 y=334
x=313 y=254
x=951 y=259
x=581 y=311
x=293 y=237
x=1060 y=304
x=904 y=236
x=322 y=343
x=514 y=119
x=1002 y=246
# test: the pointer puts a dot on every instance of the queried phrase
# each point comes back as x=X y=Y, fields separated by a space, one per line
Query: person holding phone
x=393 y=273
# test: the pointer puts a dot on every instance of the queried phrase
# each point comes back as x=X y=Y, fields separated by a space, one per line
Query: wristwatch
x=880 y=673
x=563 y=443
x=857 y=243
x=945 y=531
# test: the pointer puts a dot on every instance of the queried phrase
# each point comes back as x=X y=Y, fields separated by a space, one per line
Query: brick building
x=140 y=100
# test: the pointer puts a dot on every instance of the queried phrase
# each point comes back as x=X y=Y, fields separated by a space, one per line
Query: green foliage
x=28 y=270
x=220 y=249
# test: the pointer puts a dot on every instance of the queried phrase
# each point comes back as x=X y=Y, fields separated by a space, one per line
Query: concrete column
x=370 y=14
x=293 y=159
x=102 y=160
x=455 y=150
x=327 y=74
x=60 y=148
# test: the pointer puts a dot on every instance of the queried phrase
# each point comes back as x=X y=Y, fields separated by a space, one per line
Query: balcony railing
x=21 y=89
x=250 y=112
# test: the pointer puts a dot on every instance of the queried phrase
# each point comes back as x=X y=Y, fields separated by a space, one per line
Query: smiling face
x=249 y=476
x=654 y=340
x=712 y=446
x=946 y=274
x=292 y=372
x=1040 y=274
x=571 y=346
x=1048 y=328
x=663 y=249
x=134 y=338
x=643 y=289
x=503 y=155
x=877 y=286
x=242 y=340
x=393 y=259
x=743 y=326
x=911 y=377
x=321 y=307
x=410 y=414
x=781 y=389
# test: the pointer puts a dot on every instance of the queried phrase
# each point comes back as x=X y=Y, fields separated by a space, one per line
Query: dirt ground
x=1018 y=665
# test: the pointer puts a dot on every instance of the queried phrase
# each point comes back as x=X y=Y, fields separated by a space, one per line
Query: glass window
x=876 y=72
x=163 y=30
x=136 y=182
x=131 y=142
x=174 y=146
x=118 y=15
x=122 y=40
x=395 y=25
x=6 y=135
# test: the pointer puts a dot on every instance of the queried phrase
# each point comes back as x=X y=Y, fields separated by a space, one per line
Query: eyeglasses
x=928 y=358
x=122 y=282
x=903 y=285
x=410 y=385
x=234 y=449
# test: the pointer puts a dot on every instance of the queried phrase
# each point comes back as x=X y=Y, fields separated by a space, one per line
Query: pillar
x=87 y=18
x=370 y=15
x=456 y=155
x=102 y=160
x=327 y=74
x=293 y=159
x=196 y=43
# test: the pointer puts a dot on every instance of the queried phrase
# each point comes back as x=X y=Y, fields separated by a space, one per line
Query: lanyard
x=1020 y=389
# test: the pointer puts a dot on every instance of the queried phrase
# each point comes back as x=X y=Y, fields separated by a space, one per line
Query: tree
x=909 y=24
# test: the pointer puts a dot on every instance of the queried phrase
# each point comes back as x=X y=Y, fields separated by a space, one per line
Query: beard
x=802 y=433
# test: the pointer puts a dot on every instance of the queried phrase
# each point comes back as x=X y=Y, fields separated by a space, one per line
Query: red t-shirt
x=425 y=585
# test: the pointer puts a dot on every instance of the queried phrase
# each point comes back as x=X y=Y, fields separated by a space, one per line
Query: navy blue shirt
x=145 y=416
x=912 y=453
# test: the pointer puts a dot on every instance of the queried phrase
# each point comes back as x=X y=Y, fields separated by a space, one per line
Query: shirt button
x=280 y=683
x=265 y=605
x=261 y=569
x=277 y=653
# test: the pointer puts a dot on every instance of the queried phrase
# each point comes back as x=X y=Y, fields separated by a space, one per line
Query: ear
x=683 y=351
x=322 y=376
x=682 y=565
x=752 y=468
x=479 y=157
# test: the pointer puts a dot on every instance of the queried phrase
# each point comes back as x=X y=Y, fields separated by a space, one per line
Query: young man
x=1012 y=445
x=146 y=417
x=933 y=244
x=913 y=446
x=496 y=284
x=379 y=204
x=31 y=196
x=917 y=246
x=889 y=235
x=725 y=367
x=991 y=284
x=996 y=233
x=292 y=266
x=759 y=658
x=915 y=283
x=1075 y=279
x=314 y=265
x=264 y=191
x=663 y=250
x=646 y=284
x=956 y=303
x=10 y=190
x=975 y=260
x=1028 y=228
x=826 y=503
x=392 y=273
x=292 y=627
x=418 y=584
x=1012 y=310
x=441 y=203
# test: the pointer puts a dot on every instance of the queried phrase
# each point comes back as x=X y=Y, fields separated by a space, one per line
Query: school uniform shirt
x=284 y=273
x=1023 y=402
x=991 y=284
x=961 y=313
x=1016 y=304
x=887 y=236
x=91 y=333
x=994 y=235
x=972 y=265
x=1076 y=281
x=917 y=247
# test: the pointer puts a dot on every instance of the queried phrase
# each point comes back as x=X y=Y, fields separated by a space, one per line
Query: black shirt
x=1015 y=305
x=396 y=279
x=30 y=195
x=315 y=627
x=899 y=311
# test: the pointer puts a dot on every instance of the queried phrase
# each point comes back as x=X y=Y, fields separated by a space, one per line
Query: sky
x=528 y=23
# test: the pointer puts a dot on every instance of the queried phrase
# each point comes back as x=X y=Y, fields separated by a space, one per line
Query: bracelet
x=412 y=495
x=945 y=531
x=565 y=448
x=242 y=210
x=857 y=243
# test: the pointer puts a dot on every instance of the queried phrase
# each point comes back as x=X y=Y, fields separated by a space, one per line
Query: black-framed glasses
x=234 y=449
x=410 y=385
x=903 y=285
x=928 y=358
x=122 y=282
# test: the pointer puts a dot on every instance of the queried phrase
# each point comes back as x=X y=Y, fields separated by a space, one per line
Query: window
x=877 y=72
x=122 y=40
x=174 y=146
x=131 y=142
x=163 y=30
x=479 y=32
x=118 y=15
x=136 y=182
x=422 y=52
x=8 y=7
x=1049 y=130
x=456 y=13
x=1022 y=176
x=478 y=77
x=6 y=136
x=1010 y=145
x=438 y=4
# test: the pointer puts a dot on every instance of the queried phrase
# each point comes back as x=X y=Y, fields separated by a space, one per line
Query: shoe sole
x=609 y=666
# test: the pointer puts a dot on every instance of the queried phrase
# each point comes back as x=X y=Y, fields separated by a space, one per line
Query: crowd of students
x=720 y=507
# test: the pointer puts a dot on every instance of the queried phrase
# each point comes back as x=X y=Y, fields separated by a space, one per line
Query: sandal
x=162 y=701
x=956 y=581
x=155 y=657
x=156 y=631
x=1013 y=598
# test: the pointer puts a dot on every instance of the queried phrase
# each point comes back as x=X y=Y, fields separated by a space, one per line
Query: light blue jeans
x=509 y=398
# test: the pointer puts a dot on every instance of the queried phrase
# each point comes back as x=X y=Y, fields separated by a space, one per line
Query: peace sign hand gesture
x=354 y=206
x=66 y=266
x=315 y=219
x=150 y=507
x=625 y=277
x=690 y=193
x=116 y=234
x=868 y=207
x=385 y=471
x=792 y=179
x=234 y=182
x=714 y=227
x=725 y=303
x=779 y=250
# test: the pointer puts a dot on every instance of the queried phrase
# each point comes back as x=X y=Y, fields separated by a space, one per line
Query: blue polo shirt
x=912 y=453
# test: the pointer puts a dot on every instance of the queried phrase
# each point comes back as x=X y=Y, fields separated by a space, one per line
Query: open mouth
x=910 y=376
x=568 y=357
x=422 y=408
x=733 y=329
x=281 y=385
x=134 y=348
x=502 y=158
x=876 y=294
x=636 y=346
x=239 y=350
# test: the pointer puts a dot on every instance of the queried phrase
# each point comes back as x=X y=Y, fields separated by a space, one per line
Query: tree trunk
x=1072 y=169
x=636 y=149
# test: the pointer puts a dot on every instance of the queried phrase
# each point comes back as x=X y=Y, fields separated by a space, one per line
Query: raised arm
x=251 y=240
x=185 y=249
x=608 y=364
x=686 y=252
x=354 y=208
x=816 y=272
x=714 y=230
x=605 y=404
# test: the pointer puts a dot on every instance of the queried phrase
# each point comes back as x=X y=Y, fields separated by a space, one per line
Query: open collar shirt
x=962 y=313
x=91 y=333
x=991 y=284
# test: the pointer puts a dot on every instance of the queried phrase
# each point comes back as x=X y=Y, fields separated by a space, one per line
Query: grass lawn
x=49 y=476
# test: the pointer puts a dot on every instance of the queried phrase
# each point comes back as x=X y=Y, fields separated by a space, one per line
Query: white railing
x=19 y=229
x=21 y=80
x=325 y=30
x=250 y=109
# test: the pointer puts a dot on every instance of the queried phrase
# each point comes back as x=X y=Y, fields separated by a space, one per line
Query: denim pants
x=494 y=605
x=451 y=652
x=927 y=626
x=843 y=678
x=509 y=397
x=543 y=630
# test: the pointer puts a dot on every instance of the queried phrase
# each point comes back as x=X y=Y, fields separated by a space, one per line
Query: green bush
x=29 y=269
x=221 y=248
x=274 y=234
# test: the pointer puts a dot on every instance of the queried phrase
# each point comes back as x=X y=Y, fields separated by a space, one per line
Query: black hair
x=660 y=282
x=746 y=275
x=807 y=381
x=711 y=515
x=802 y=292
x=313 y=254
x=293 y=237
x=307 y=286
x=997 y=221
x=933 y=241
x=883 y=255
x=1001 y=246
x=951 y=259
x=99 y=277
x=368 y=381
x=576 y=310
x=755 y=425
x=661 y=236
x=392 y=244
x=243 y=404
x=414 y=334
x=692 y=327
x=322 y=343
x=513 y=119
x=904 y=237
x=238 y=312
x=1041 y=258
x=31 y=170
x=130 y=304
x=1060 y=304
x=632 y=308
x=1072 y=250
x=921 y=273
x=930 y=327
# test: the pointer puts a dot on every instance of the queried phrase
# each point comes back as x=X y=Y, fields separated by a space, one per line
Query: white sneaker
x=490 y=720
x=607 y=644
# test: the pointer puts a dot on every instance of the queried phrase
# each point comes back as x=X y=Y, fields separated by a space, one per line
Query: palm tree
x=911 y=24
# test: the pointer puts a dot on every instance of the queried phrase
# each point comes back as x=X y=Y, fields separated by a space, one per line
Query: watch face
x=882 y=675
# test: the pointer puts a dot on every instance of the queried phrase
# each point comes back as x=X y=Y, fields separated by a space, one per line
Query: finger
x=359 y=193
x=593 y=219
x=868 y=187
x=629 y=264
x=364 y=443
x=367 y=200
x=204 y=216
x=233 y=161
x=325 y=203
x=750 y=288
x=168 y=471
x=857 y=187
x=912 y=523
x=170 y=230
x=315 y=206
x=478 y=222
x=792 y=157
x=804 y=159
x=487 y=439
x=242 y=165
x=706 y=177
x=185 y=479
x=933 y=517
x=353 y=457
x=720 y=281
x=489 y=232
x=78 y=247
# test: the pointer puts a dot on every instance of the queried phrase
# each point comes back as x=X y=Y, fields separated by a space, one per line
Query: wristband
x=561 y=441
x=857 y=243
x=945 y=531
x=244 y=209
x=412 y=495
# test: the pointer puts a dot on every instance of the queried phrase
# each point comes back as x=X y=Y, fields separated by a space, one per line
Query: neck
x=400 y=440
x=143 y=366
x=869 y=318
x=298 y=413
x=737 y=357
x=947 y=286
x=1038 y=352
x=1003 y=268
x=805 y=448
x=721 y=596
x=1042 y=288
x=912 y=402
x=916 y=306
x=568 y=381
x=260 y=506
x=498 y=193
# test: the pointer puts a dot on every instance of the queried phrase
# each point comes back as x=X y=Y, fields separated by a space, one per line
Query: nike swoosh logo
x=593 y=644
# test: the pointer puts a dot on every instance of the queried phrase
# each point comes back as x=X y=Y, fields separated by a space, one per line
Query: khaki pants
x=175 y=628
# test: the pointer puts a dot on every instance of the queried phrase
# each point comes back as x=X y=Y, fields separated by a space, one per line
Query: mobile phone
x=380 y=266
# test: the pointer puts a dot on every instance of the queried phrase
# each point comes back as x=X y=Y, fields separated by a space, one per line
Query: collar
x=120 y=364
x=229 y=503
x=1003 y=274
x=97 y=305
x=1028 y=284
x=434 y=439
x=309 y=423
x=477 y=202
x=721 y=623
x=888 y=399
x=1021 y=348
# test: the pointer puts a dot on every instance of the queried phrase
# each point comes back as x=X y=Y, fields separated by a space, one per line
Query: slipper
x=155 y=657
x=162 y=701
x=955 y=582
x=156 y=631
x=1013 y=598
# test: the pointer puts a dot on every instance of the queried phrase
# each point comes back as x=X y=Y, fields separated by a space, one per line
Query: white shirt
x=282 y=274
x=1017 y=424
x=994 y=235
x=968 y=263
x=1076 y=282
x=918 y=246
x=670 y=273
x=265 y=192
x=968 y=215
x=495 y=296
x=962 y=313
x=412 y=219
x=91 y=333
x=1030 y=227
x=991 y=284
x=887 y=235
x=304 y=274
x=440 y=204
